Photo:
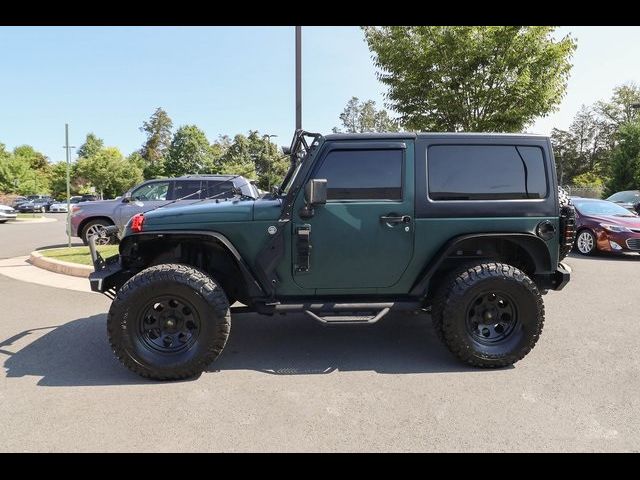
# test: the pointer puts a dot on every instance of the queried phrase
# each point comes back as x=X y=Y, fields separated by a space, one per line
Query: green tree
x=91 y=146
x=157 y=144
x=360 y=117
x=254 y=157
x=618 y=110
x=109 y=172
x=189 y=153
x=36 y=160
x=470 y=78
x=16 y=175
x=624 y=169
x=584 y=148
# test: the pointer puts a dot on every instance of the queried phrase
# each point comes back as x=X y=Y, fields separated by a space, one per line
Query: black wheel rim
x=492 y=317
x=169 y=324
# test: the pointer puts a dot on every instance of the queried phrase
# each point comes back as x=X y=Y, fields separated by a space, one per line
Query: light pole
x=67 y=147
x=298 y=78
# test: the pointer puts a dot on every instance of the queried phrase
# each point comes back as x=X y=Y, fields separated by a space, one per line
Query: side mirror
x=315 y=193
x=126 y=198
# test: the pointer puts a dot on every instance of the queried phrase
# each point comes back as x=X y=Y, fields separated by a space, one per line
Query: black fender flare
x=532 y=244
x=254 y=288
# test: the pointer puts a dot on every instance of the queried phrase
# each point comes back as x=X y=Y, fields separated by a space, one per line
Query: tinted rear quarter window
x=486 y=172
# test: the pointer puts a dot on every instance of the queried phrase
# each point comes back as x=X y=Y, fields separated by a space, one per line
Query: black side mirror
x=315 y=193
x=126 y=198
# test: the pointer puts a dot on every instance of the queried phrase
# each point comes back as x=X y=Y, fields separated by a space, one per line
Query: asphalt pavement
x=290 y=384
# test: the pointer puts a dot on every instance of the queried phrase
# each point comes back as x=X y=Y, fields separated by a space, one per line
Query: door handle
x=395 y=218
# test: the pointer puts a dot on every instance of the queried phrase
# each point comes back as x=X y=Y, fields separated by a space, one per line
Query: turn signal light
x=136 y=222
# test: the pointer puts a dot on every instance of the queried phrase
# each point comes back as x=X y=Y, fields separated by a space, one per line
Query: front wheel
x=586 y=243
x=489 y=315
x=169 y=322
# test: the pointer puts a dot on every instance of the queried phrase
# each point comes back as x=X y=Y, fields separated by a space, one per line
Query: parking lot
x=289 y=384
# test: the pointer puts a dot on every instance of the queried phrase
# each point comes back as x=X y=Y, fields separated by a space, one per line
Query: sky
x=226 y=80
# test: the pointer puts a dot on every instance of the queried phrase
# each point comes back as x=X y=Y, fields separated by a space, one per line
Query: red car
x=606 y=227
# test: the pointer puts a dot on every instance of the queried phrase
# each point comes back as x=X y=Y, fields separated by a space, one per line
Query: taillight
x=136 y=222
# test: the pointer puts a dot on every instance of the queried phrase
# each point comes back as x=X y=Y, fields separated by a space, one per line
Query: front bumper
x=628 y=241
x=555 y=281
x=108 y=275
x=8 y=216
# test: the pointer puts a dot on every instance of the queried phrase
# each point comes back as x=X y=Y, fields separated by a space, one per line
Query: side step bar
x=349 y=319
x=334 y=313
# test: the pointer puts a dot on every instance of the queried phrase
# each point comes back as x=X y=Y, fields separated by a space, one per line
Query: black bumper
x=557 y=280
x=110 y=277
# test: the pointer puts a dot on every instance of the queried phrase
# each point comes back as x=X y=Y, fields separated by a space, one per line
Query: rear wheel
x=490 y=315
x=169 y=322
x=94 y=227
x=586 y=242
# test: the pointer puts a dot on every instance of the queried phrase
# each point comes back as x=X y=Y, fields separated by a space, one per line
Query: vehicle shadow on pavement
x=298 y=345
x=74 y=354
x=78 y=354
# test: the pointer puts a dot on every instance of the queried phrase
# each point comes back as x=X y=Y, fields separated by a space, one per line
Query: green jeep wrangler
x=466 y=227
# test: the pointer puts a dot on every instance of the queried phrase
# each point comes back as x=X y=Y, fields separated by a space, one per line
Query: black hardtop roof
x=413 y=135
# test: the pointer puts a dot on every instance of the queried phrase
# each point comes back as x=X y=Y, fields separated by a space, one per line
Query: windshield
x=600 y=207
x=626 y=197
x=285 y=186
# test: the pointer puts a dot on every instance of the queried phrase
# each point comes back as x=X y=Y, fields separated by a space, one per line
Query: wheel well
x=91 y=219
x=204 y=253
x=474 y=251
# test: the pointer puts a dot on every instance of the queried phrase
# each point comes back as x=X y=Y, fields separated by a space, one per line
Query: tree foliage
x=255 y=157
x=24 y=171
x=619 y=109
x=584 y=148
x=91 y=146
x=361 y=117
x=157 y=144
x=624 y=172
x=189 y=153
x=109 y=172
x=470 y=78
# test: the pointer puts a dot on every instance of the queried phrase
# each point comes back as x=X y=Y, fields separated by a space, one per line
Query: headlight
x=614 y=228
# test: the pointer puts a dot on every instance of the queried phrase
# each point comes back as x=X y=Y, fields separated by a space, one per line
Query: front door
x=363 y=237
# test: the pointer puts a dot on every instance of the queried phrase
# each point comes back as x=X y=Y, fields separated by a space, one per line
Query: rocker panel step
x=349 y=318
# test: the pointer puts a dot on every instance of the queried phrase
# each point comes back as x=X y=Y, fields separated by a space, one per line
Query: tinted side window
x=218 y=189
x=363 y=174
x=485 y=172
x=182 y=188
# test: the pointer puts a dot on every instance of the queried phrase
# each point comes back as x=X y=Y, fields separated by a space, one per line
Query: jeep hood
x=199 y=214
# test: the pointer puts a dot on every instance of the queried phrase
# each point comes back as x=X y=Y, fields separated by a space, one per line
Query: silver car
x=7 y=213
x=88 y=218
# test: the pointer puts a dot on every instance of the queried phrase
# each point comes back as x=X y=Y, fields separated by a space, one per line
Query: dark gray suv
x=88 y=218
